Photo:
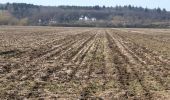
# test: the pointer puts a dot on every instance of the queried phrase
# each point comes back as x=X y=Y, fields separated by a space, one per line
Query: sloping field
x=84 y=63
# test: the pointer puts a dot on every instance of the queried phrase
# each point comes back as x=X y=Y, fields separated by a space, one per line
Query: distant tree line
x=21 y=10
x=118 y=16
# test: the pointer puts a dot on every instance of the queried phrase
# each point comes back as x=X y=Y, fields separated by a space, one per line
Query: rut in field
x=94 y=64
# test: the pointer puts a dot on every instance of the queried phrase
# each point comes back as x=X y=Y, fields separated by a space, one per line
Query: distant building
x=93 y=19
x=52 y=21
x=86 y=18
x=39 y=21
x=81 y=18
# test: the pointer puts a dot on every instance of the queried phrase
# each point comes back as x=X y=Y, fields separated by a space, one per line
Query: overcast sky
x=143 y=3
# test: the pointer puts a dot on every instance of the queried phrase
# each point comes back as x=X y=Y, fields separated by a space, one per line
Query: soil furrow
x=127 y=71
x=149 y=64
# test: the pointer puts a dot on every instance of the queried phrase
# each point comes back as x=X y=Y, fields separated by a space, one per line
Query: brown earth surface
x=84 y=63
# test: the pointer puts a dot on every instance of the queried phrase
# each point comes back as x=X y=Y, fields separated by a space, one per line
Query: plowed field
x=84 y=63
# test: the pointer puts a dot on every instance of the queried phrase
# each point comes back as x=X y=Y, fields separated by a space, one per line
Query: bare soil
x=84 y=63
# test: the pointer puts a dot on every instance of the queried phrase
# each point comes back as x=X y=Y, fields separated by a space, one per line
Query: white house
x=86 y=18
x=81 y=18
x=93 y=19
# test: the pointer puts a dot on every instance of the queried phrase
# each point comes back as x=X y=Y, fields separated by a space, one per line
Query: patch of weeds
x=112 y=84
x=55 y=87
x=89 y=91
x=135 y=88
